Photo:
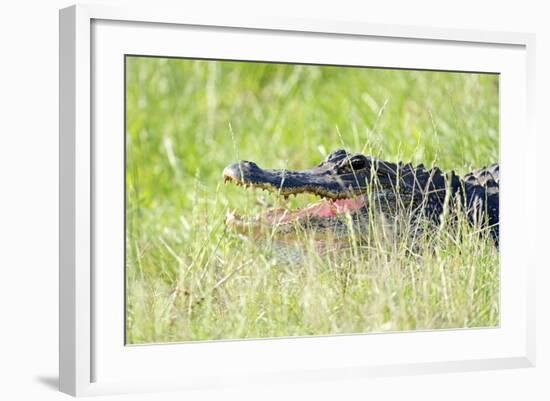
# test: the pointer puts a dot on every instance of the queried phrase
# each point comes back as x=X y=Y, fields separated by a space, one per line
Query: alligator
x=352 y=184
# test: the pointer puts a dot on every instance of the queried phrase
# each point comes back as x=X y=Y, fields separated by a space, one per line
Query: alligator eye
x=358 y=163
x=336 y=156
x=355 y=163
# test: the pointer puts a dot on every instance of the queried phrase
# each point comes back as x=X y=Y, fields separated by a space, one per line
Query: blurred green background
x=187 y=119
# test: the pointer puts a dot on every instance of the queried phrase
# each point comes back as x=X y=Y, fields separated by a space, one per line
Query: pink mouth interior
x=325 y=208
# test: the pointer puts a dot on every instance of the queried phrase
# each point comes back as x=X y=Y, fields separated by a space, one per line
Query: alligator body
x=352 y=184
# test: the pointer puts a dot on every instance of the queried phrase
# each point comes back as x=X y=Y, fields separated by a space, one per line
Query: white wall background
x=29 y=186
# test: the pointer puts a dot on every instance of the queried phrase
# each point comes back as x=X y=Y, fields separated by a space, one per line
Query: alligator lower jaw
x=285 y=223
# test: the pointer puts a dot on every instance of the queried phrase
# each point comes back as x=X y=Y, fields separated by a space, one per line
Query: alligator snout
x=240 y=171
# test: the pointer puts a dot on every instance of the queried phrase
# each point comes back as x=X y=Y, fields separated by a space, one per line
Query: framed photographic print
x=277 y=200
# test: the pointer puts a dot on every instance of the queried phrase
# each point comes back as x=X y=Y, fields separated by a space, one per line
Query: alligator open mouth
x=335 y=181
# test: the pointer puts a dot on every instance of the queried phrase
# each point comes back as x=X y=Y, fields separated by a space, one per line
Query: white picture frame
x=93 y=358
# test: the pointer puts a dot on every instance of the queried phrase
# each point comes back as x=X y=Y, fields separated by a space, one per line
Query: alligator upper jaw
x=318 y=181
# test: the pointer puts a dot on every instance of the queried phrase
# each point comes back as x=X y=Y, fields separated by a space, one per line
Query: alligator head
x=342 y=181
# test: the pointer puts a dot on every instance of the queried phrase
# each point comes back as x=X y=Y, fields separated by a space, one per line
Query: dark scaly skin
x=481 y=189
x=390 y=187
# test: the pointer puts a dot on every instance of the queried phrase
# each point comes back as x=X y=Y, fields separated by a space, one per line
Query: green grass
x=188 y=278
